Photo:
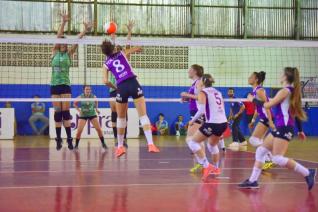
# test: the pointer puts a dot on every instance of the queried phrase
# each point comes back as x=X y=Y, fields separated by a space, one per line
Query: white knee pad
x=260 y=154
x=213 y=149
x=144 y=120
x=280 y=160
x=194 y=146
x=121 y=123
x=255 y=142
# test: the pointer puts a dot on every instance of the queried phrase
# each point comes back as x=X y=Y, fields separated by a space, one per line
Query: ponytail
x=260 y=76
x=207 y=80
x=292 y=76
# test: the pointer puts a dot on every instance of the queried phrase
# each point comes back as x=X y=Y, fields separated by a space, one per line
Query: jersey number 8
x=119 y=67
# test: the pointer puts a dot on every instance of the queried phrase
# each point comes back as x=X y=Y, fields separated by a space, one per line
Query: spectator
x=38 y=109
x=162 y=125
x=236 y=111
x=249 y=111
x=180 y=126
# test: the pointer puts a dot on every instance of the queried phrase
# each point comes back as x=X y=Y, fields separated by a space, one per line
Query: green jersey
x=61 y=63
x=112 y=79
x=87 y=108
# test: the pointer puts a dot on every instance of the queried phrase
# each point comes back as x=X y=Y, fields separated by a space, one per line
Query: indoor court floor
x=36 y=177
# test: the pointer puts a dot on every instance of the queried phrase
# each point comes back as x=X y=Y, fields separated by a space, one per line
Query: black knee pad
x=66 y=115
x=114 y=117
x=58 y=116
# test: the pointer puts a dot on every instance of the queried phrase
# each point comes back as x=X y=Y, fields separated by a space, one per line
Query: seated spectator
x=38 y=109
x=162 y=125
x=180 y=126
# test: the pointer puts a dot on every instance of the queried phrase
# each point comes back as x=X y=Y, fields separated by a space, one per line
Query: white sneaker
x=244 y=143
x=178 y=133
x=234 y=145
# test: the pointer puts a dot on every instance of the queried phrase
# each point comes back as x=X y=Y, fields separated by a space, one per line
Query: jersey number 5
x=119 y=67
x=218 y=99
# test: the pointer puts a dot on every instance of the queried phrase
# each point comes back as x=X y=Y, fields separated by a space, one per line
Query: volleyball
x=110 y=27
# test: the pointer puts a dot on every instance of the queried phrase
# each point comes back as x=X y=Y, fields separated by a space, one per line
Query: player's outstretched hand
x=302 y=136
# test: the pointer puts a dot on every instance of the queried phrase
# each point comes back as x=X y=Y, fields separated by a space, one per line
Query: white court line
x=142 y=184
x=110 y=170
x=163 y=162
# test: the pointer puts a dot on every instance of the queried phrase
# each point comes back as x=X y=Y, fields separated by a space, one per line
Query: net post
x=297 y=19
x=192 y=11
x=95 y=17
x=245 y=18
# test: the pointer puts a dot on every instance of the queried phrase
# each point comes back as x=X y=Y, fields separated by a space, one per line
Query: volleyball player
x=288 y=104
x=195 y=73
x=61 y=85
x=87 y=112
x=211 y=104
x=112 y=85
x=256 y=80
x=117 y=63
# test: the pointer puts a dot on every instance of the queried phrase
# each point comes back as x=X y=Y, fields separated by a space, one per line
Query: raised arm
x=87 y=28
x=106 y=79
x=60 y=31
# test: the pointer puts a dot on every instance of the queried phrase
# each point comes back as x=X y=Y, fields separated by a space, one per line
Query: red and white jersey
x=214 y=108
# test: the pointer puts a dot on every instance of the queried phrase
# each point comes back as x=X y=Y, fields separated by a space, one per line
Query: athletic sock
x=120 y=139
x=102 y=140
x=148 y=135
x=203 y=161
x=115 y=131
x=301 y=170
x=68 y=132
x=58 y=132
x=77 y=142
x=255 y=174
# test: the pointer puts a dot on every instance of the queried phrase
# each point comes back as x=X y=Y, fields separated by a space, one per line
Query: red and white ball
x=110 y=27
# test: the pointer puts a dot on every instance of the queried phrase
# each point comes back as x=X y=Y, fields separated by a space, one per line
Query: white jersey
x=214 y=109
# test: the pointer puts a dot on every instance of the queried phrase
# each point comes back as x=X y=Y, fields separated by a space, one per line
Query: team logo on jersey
x=208 y=131
x=119 y=98
x=288 y=135
x=139 y=92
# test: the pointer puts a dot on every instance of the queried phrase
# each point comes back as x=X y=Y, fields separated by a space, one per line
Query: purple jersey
x=260 y=109
x=283 y=116
x=119 y=65
x=193 y=102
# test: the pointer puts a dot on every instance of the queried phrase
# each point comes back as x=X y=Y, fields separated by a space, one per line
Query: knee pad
x=144 y=120
x=66 y=115
x=280 y=160
x=260 y=154
x=114 y=117
x=121 y=123
x=255 y=142
x=194 y=146
x=213 y=149
x=58 y=116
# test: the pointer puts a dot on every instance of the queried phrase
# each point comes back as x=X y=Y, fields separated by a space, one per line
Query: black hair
x=231 y=89
x=36 y=95
x=161 y=114
x=84 y=86
x=207 y=80
x=107 y=47
x=260 y=76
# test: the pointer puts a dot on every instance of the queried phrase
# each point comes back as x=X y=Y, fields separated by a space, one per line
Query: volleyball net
x=161 y=66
